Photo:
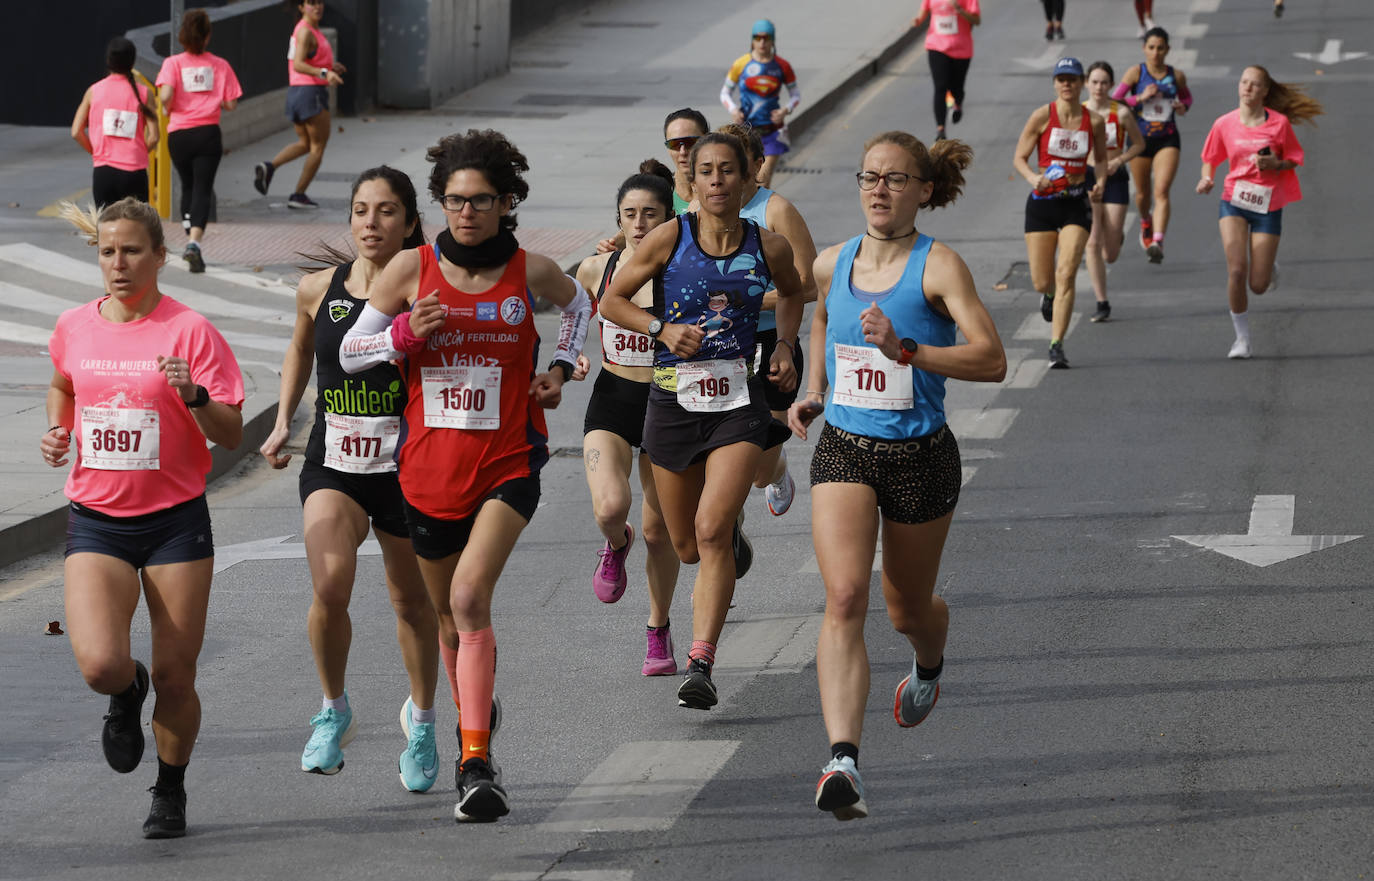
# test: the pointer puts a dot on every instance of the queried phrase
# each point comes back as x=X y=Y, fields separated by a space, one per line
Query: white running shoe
x=1239 y=349
x=779 y=495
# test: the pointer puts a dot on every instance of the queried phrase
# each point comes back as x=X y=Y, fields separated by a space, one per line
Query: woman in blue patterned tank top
x=707 y=421
x=883 y=342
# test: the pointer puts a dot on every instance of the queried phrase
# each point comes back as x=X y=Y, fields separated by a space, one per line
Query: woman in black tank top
x=349 y=478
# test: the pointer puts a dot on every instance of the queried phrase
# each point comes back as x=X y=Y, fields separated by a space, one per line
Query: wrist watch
x=567 y=370
x=908 y=350
x=655 y=327
x=200 y=400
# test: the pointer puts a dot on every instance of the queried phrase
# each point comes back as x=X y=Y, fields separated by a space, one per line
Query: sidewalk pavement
x=584 y=100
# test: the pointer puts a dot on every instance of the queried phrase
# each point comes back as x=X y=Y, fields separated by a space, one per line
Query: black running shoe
x=742 y=548
x=301 y=201
x=1049 y=32
x=480 y=798
x=193 y=257
x=262 y=176
x=1104 y=311
x=167 y=817
x=122 y=738
x=697 y=691
x=1047 y=307
x=1278 y=10
x=957 y=114
x=1059 y=31
x=1057 y=359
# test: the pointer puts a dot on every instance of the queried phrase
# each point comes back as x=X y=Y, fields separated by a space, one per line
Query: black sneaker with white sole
x=1103 y=313
x=262 y=176
x=193 y=257
x=1047 y=307
x=1057 y=359
x=481 y=799
x=697 y=691
x=122 y=737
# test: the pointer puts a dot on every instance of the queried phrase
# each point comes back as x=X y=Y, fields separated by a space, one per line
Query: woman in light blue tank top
x=772 y=211
x=882 y=344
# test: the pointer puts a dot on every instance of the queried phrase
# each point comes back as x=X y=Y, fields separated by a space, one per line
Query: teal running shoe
x=841 y=791
x=419 y=764
x=334 y=730
x=915 y=699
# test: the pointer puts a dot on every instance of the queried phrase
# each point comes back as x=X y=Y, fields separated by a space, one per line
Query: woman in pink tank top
x=115 y=124
x=311 y=70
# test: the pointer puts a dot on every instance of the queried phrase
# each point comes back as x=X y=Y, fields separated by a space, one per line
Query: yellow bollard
x=159 y=159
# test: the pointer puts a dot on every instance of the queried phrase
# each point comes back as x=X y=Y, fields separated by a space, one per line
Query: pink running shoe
x=609 y=578
x=658 y=658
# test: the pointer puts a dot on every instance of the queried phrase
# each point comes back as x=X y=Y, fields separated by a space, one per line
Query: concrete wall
x=429 y=50
x=530 y=15
x=51 y=91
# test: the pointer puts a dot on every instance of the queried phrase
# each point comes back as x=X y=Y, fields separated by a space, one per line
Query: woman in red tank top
x=1070 y=138
x=473 y=437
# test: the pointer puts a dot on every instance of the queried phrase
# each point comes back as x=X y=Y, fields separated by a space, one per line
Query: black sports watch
x=201 y=399
x=567 y=369
x=655 y=327
x=908 y=350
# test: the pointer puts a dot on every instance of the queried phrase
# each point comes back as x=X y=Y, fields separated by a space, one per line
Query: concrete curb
x=813 y=112
x=259 y=415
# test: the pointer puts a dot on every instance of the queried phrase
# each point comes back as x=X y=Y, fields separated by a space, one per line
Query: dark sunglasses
x=676 y=144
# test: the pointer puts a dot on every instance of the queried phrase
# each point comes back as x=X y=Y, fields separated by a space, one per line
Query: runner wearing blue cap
x=758 y=76
x=1070 y=138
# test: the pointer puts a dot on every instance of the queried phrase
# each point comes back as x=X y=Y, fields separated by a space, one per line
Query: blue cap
x=1068 y=66
x=763 y=26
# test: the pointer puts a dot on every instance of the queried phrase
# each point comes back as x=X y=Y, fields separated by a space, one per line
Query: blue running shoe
x=841 y=791
x=915 y=699
x=334 y=730
x=419 y=764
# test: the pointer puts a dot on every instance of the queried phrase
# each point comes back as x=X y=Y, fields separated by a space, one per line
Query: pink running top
x=137 y=448
x=323 y=57
x=200 y=84
x=1232 y=141
x=949 y=32
x=116 y=125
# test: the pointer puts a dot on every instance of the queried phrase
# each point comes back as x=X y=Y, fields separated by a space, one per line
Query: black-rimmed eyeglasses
x=896 y=180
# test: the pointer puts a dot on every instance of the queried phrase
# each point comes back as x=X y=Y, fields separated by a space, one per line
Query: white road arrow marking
x=1331 y=54
x=1270 y=539
x=227 y=556
x=1045 y=61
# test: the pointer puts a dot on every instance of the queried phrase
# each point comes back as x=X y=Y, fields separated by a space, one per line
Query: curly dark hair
x=487 y=151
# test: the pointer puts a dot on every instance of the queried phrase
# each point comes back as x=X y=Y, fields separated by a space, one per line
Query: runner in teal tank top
x=882 y=343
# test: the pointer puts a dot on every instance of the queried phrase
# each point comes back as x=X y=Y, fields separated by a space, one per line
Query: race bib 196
x=120 y=123
x=865 y=377
x=1251 y=196
x=198 y=79
x=462 y=397
x=119 y=439
x=627 y=348
x=713 y=386
x=360 y=444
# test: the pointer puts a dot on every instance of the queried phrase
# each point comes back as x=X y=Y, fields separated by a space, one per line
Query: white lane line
x=1025 y=368
x=61 y=266
x=752 y=645
x=642 y=786
x=271 y=283
x=988 y=424
x=556 y=874
x=23 y=333
x=15 y=296
x=800 y=651
x=966 y=475
x=1036 y=328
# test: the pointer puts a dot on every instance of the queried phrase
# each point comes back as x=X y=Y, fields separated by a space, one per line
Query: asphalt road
x=1118 y=703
